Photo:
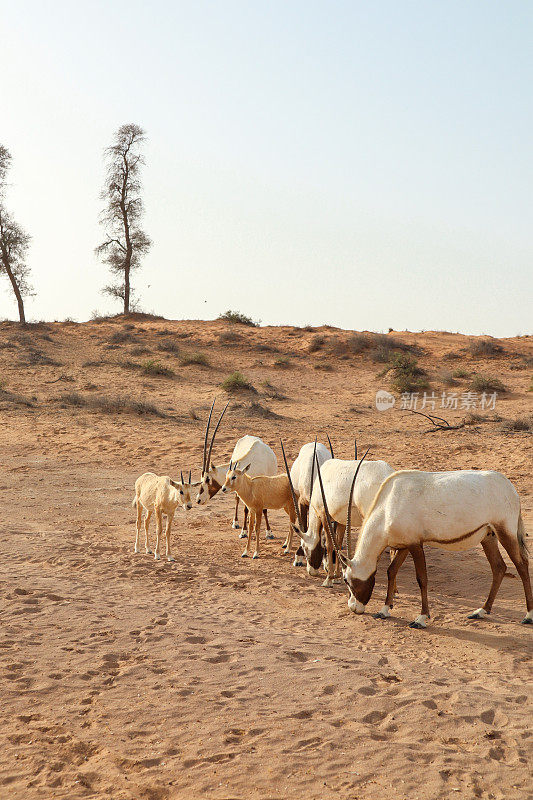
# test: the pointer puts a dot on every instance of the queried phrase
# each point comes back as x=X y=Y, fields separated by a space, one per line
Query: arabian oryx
x=159 y=494
x=258 y=494
x=302 y=474
x=451 y=510
x=248 y=450
x=337 y=476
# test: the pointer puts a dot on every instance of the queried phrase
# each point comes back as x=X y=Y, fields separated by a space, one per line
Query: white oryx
x=451 y=510
x=248 y=450
x=162 y=495
x=337 y=475
x=303 y=474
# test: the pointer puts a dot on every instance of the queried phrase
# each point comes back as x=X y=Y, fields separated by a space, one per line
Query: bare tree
x=125 y=241
x=14 y=243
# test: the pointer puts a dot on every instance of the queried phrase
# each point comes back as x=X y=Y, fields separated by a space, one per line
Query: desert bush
x=451 y=356
x=110 y=405
x=119 y=337
x=265 y=348
x=168 y=346
x=524 y=423
x=229 y=337
x=152 y=367
x=236 y=382
x=237 y=318
x=36 y=358
x=487 y=383
x=460 y=373
x=317 y=343
x=485 y=348
x=195 y=359
x=325 y=366
x=283 y=362
x=406 y=375
x=140 y=351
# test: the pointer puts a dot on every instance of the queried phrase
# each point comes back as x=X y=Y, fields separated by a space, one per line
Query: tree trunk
x=129 y=248
x=14 y=284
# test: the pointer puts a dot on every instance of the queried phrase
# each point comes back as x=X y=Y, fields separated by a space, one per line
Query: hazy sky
x=364 y=164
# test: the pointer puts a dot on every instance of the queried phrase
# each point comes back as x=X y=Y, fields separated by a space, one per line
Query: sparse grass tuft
x=283 y=362
x=485 y=348
x=460 y=373
x=487 y=383
x=272 y=391
x=195 y=360
x=237 y=318
x=140 y=351
x=152 y=367
x=317 y=343
x=447 y=379
x=119 y=337
x=110 y=405
x=168 y=346
x=325 y=366
x=236 y=382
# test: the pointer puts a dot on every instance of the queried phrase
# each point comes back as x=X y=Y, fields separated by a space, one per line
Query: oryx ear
x=212 y=465
x=247 y=467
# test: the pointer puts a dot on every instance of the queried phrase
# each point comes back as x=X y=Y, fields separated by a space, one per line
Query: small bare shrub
x=152 y=367
x=407 y=376
x=487 y=383
x=110 y=405
x=460 y=373
x=229 y=337
x=485 y=348
x=518 y=424
x=317 y=343
x=283 y=362
x=271 y=391
x=195 y=360
x=168 y=346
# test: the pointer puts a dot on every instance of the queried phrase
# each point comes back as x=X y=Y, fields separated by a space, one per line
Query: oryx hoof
x=476 y=615
x=157 y=557
x=149 y=551
x=381 y=615
x=527 y=621
x=235 y=525
x=328 y=583
x=255 y=555
x=298 y=562
x=170 y=558
x=243 y=535
x=136 y=550
x=269 y=535
x=419 y=626
x=245 y=554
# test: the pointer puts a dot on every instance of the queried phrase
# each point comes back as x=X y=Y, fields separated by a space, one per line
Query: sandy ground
x=219 y=677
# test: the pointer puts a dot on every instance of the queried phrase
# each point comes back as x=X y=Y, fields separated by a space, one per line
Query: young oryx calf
x=250 y=450
x=262 y=492
x=160 y=494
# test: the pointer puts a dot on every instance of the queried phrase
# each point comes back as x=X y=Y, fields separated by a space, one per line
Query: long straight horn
x=349 y=517
x=355 y=447
x=206 y=435
x=293 y=493
x=190 y=477
x=330 y=446
x=181 y=477
x=326 y=513
x=208 y=459
x=312 y=473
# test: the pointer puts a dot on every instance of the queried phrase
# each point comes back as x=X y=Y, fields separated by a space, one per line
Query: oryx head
x=209 y=486
x=183 y=489
x=232 y=476
x=311 y=544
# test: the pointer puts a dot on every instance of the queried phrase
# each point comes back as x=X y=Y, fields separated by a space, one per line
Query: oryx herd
x=323 y=496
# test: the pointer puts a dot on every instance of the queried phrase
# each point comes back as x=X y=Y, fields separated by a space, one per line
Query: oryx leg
x=510 y=542
x=422 y=579
x=243 y=533
x=138 y=526
x=392 y=555
x=396 y=562
x=329 y=550
x=158 y=529
x=146 y=526
x=170 y=517
x=291 y=513
x=235 y=523
x=497 y=565
x=258 y=518
x=269 y=534
x=340 y=537
x=251 y=520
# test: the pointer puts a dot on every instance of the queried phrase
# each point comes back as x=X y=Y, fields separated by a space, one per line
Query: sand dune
x=226 y=678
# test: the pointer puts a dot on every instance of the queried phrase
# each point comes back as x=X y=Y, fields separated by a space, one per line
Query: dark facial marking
x=362 y=589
